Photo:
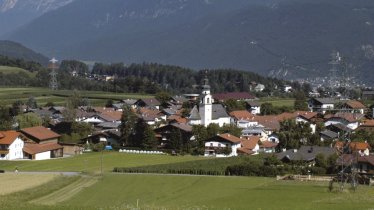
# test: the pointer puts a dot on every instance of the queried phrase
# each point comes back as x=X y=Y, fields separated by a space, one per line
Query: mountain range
x=15 y=13
x=291 y=38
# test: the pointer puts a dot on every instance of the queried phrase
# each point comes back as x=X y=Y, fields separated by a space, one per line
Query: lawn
x=91 y=162
x=278 y=101
x=44 y=95
x=203 y=192
x=11 y=182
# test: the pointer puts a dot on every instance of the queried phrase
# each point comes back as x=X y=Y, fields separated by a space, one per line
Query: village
x=326 y=129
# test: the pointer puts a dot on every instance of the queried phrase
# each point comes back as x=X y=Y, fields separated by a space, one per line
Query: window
x=2 y=155
x=219 y=145
x=207 y=100
x=211 y=144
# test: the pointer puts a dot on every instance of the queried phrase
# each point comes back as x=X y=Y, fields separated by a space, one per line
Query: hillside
x=211 y=34
x=16 y=50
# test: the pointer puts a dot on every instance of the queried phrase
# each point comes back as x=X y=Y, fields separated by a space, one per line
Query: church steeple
x=206 y=102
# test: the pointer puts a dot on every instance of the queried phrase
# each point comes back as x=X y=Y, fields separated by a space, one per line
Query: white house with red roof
x=223 y=145
x=11 y=145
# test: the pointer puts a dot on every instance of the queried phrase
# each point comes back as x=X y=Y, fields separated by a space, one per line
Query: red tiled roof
x=8 y=137
x=368 y=123
x=242 y=115
x=41 y=133
x=307 y=115
x=355 y=104
x=268 y=144
x=359 y=146
x=230 y=138
x=33 y=149
x=250 y=142
x=350 y=117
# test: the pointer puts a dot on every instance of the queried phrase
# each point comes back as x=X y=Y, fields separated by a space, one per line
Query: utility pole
x=53 y=80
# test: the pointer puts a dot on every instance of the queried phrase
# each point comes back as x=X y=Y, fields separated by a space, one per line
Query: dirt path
x=67 y=192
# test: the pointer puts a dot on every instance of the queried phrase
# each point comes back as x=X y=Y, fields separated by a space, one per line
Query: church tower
x=206 y=101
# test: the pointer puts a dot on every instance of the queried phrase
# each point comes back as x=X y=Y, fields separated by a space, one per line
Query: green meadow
x=44 y=95
x=150 y=191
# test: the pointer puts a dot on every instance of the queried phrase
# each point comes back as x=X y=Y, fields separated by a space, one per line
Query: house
x=11 y=145
x=354 y=106
x=237 y=96
x=287 y=89
x=267 y=147
x=368 y=95
x=130 y=102
x=306 y=154
x=223 y=145
x=163 y=133
x=321 y=105
x=249 y=145
x=363 y=148
x=365 y=164
x=178 y=100
x=351 y=120
x=41 y=143
x=328 y=135
x=43 y=151
x=72 y=149
x=243 y=119
x=148 y=103
x=41 y=135
x=206 y=112
x=256 y=87
x=308 y=117
x=253 y=107
x=367 y=125
x=255 y=131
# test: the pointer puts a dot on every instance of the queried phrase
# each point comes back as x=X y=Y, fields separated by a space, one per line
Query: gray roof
x=218 y=111
x=325 y=100
x=182 y=126
x=118 y=105
x=109 y=124
x=194 y=114
x=129 y=101
x=306 y=153
x=330 y=134
x=253 y=103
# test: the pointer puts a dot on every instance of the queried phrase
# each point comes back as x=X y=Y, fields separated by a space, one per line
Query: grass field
x=11 y=182
x=44 y=95
x=279 y=101
x=140 y=191
x=91 y=162
x=202 y=192
x=8 y=70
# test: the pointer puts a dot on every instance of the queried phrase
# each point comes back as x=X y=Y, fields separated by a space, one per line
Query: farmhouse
x=164 y=133
x=41 y=143
x=354 y=106
x=11 y=145
x=351 y=120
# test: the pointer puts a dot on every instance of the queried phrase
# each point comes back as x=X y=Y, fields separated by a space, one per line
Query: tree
x=233 y=105
x=201 y=134
x=267 y=109
x=212 y=130
x=28 y=120
x=109 y=103
x=127 y=127
x=231 y=129
x=149 y=138
x=6 y=120
x=176 y=141
x=71 y=66
x=321 y=160
x=31 y=103
x=163 y=97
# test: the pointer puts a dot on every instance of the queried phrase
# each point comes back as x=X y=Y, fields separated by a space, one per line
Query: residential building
x=306 y=154
x=223 y=145
x=321 y=105
x=11 y=145
x=253 y=107
x=354 y=106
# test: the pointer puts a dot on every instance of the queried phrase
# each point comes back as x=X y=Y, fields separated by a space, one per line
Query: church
x=206 y=112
